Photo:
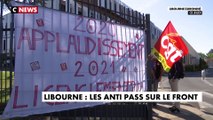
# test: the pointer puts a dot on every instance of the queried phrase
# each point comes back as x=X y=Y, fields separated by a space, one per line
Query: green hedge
x=193 y=68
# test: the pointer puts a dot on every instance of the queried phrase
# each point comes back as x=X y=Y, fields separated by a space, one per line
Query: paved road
x=209 y=75
x=193 y=82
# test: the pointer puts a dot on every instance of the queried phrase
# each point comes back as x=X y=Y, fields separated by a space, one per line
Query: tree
x=202 y=64
x=210 y=55
x=202 y=55
x=6 y=60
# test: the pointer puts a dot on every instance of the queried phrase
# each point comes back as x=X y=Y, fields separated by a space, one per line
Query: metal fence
x=108 y=111
x=7 y=57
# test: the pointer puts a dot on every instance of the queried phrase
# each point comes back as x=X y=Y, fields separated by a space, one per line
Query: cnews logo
x=25 y=9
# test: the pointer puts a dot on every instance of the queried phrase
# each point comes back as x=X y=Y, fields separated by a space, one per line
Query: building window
x=80 y=9
x=130 y=15
x=56 y=4
x=102 y=3
x=63 y=5
x=112 y=5
x=48 y=3
x=91 y=14
x=72 y=6
x=153 y=36
x=98 y=16
x=108 y=4
x=103 y=17
x=115 y=7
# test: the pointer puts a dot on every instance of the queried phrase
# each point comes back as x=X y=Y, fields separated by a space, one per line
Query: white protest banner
x=56 y=51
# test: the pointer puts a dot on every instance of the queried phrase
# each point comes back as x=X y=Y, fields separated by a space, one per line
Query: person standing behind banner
x=157 y=73
x=151 y=72
x=175 y=74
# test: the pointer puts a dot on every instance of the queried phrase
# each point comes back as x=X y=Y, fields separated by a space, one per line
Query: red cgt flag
x=169 y=48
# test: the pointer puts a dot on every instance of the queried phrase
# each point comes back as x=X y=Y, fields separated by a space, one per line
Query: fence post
x=1 y=50
x=1 y=28
x=148 y=69
x=11 y=51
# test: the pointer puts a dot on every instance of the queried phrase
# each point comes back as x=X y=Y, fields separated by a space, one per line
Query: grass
x=5 y=86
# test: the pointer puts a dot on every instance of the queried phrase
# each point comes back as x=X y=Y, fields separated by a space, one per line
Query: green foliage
x=202 y=55
x=5 y=75
x=190 y=68
x=203 y=64
x=210 y=55
x=5 y=86
x=6 y=60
